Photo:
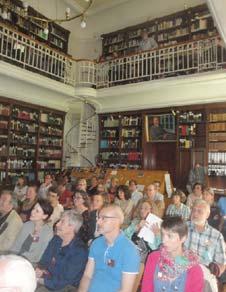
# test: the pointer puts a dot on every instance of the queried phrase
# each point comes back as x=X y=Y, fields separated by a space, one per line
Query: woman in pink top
x=173 y=268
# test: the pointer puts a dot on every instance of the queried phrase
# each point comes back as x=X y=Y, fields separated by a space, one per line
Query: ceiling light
x=83 y=23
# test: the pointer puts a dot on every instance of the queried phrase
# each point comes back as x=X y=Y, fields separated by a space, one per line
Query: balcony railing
x=187 y=58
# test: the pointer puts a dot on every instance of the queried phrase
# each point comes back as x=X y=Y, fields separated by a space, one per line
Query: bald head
x=115 y=211
x=17 y=274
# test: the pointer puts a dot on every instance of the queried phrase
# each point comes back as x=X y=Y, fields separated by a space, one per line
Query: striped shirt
x=183 y=211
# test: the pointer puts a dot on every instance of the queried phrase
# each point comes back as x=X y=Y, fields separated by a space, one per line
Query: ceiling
x=97 y=6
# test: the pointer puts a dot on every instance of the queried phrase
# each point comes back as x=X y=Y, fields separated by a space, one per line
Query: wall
x=86 y=43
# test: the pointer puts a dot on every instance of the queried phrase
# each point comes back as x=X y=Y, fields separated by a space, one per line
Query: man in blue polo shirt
x=113 y=259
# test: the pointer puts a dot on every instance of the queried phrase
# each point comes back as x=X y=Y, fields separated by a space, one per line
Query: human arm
x=68 y=269
x=148 y=278
x=87 y=276
x=10 y=230
x=195 y=280
x=128 y=281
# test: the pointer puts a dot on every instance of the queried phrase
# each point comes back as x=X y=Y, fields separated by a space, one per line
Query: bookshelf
x=31 y=141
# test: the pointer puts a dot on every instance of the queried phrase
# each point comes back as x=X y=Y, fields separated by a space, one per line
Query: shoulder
x=153 y=257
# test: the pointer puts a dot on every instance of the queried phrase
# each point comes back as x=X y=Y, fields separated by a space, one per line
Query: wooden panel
x=161 y=155
x=143 y=177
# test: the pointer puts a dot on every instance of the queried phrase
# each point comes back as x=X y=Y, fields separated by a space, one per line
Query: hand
x=141 y=224
x=155 y=228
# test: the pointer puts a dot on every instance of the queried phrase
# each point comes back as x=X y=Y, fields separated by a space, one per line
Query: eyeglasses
x=106 y=217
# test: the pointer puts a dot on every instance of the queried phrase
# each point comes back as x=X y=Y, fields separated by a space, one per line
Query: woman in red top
x=173 y=268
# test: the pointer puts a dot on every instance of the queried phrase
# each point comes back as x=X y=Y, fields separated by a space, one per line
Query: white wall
x=86 y=43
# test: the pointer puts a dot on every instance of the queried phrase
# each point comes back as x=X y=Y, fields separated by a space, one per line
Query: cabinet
x=192 y=130
x=186 y=25
x=12 y=13
x=31 y=141
x=217 y=144
x=120 y=140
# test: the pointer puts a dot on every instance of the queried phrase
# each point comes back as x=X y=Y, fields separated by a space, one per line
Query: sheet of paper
x=168 y=185
x=146 y=232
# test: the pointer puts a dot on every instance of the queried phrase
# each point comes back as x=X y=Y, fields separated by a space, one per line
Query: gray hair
x=17 y=272
x=74 y=218
x=14 y=200
x=201 y=202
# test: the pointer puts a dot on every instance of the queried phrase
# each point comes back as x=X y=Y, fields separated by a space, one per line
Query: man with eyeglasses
x=114 y=261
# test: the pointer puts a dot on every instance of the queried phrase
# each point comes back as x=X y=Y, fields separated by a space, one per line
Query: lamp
x=67 y=18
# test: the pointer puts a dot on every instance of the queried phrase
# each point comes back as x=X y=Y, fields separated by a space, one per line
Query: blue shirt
x=64 y=264
x=111 y=261
x=222 y=205
x=177 y=284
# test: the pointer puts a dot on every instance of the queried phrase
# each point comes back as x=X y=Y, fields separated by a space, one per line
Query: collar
x=117 y=239
x=206 y=227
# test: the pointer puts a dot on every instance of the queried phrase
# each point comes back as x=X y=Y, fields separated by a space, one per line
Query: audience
x=136 y=196
x=29 y=202
x=92 y=190
x=113 y=262
x=10 y=221
x=112 y=189
x=133 y=229
x=17 y=274
x=65 y=196
x=35 y=234
x=196 y=175
x=197 y=193
x=123 y=200
x=82 y=206
x=20 y=189
x=82 y=185
x=177 y=208
x=173 y=268
x=222 y=206
x=58 y=209
x=63 y=262
x=207 y=242
x=215 y=219
x=43 y=189
x=98 y=201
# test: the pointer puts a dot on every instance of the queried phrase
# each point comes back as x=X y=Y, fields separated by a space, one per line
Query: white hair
x=17 y=272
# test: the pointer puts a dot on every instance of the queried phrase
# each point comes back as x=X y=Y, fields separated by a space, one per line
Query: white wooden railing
x=187 y=58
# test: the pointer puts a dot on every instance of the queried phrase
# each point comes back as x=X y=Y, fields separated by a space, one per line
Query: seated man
x=17 y=274
x=63 y=262
x=205 y=240
x=113 y=259
x=10 y=221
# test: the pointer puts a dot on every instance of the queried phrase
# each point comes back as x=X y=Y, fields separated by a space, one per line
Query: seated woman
x=177 y=208
x=20 y=189
x=29 y=202
x=172 y=268
x=35 y=234
x=124 y=201
x=98 y=201
x=82 y=206
x=133 y=229
x=197 y=193
x=112 y=190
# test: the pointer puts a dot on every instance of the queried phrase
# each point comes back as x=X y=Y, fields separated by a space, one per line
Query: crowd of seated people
x=89 y=235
